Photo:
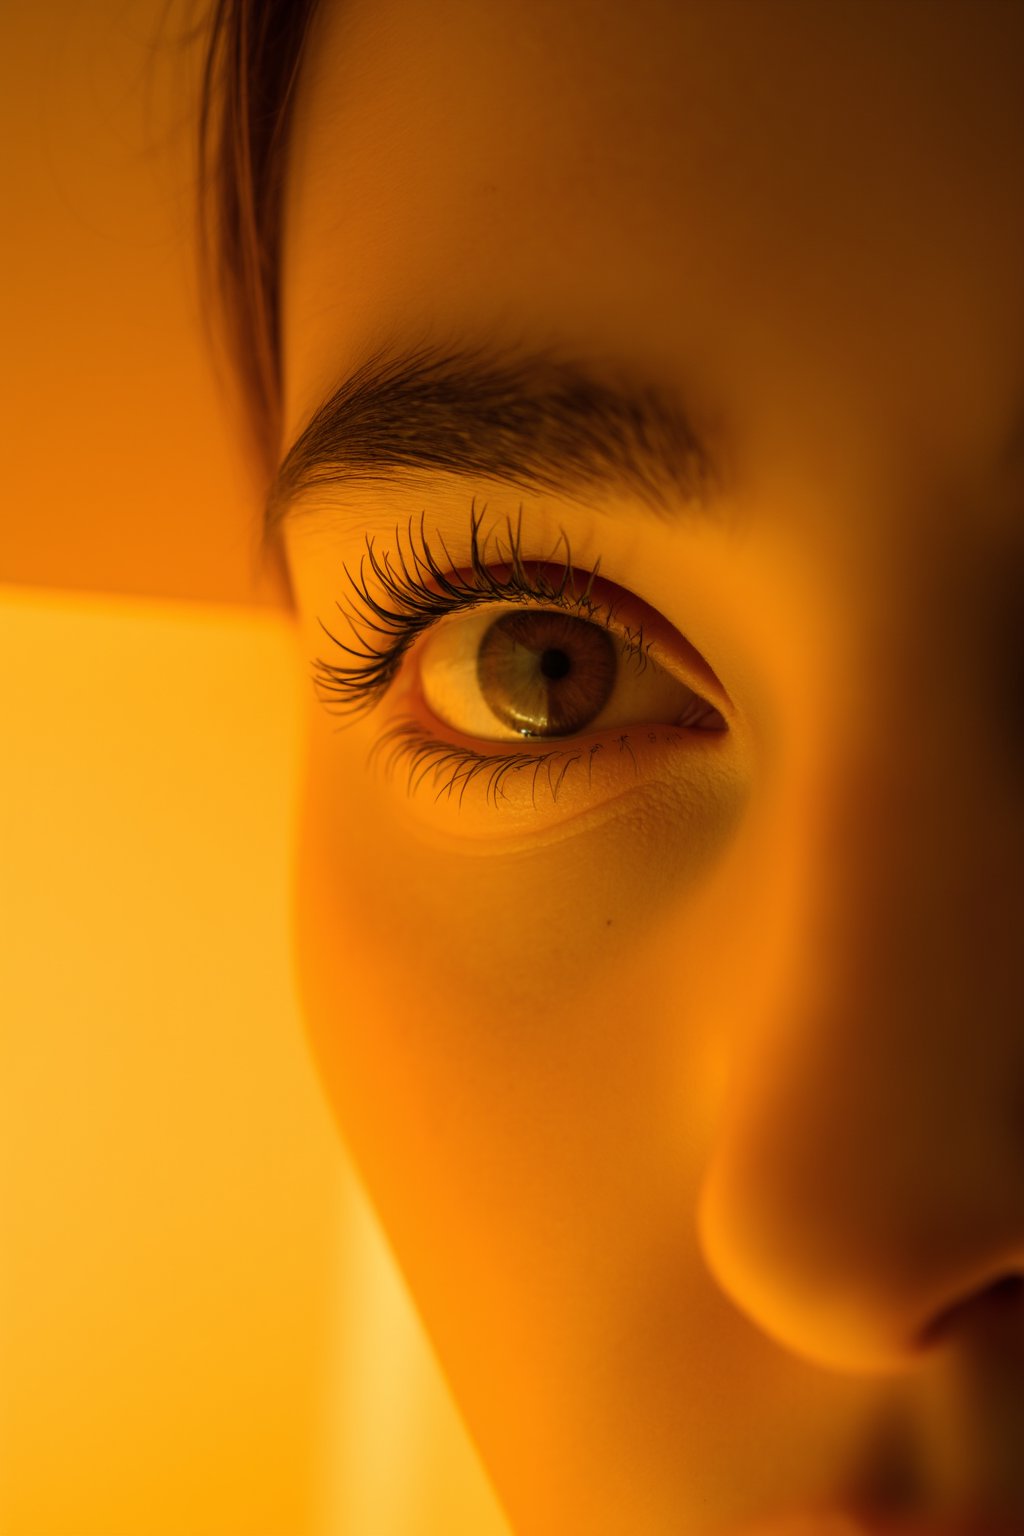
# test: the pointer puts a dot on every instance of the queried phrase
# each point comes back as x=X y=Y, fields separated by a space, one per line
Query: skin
x=692 y=1102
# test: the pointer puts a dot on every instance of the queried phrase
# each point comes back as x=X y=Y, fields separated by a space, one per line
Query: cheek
x=524 y=1053
x=506 y=1038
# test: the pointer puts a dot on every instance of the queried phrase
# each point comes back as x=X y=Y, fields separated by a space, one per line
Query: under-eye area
x=407 y=753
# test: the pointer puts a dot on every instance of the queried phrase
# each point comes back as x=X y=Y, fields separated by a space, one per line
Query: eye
x=531 y=673
x=505 y=677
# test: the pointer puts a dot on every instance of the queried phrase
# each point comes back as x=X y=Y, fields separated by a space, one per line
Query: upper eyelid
x=429 y=578
x=426 y=591
x=364 y=684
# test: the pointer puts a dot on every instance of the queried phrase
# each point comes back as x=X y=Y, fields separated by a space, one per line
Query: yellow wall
x=200 y=1328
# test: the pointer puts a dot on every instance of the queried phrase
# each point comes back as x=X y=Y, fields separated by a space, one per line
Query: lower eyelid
x=450 y=779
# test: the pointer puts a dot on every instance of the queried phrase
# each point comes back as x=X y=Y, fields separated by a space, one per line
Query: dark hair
x=253 y=51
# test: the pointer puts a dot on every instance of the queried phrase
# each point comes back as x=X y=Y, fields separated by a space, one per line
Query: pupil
x=554 y=664
x=546 y=674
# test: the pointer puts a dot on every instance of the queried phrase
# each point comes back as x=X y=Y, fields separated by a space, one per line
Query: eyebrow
x=533 y=420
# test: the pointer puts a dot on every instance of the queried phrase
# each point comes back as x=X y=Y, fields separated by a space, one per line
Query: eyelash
x=407 y=740
x=417 y=606
x=417 y=592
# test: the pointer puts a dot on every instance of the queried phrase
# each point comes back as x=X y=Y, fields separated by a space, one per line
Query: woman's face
x=660 y=939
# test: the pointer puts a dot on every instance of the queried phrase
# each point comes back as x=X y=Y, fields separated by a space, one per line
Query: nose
x=864 y=1192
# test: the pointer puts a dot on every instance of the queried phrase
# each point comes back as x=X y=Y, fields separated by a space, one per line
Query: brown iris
x=546 y=674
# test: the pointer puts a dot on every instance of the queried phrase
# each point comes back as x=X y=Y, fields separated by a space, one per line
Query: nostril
x=995 y=1308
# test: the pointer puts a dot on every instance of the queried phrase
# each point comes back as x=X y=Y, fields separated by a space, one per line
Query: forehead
x=815 y=211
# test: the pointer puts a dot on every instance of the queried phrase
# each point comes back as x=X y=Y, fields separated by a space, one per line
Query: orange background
x=201 y=1330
